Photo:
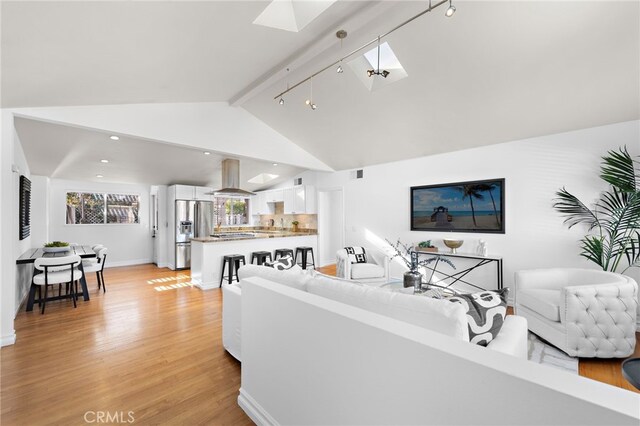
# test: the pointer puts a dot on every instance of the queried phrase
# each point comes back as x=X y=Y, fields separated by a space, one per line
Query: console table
x=461 y=273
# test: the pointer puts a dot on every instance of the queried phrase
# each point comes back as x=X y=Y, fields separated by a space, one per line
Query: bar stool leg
x=231 y=265
x=313 y=258
x=222 y=273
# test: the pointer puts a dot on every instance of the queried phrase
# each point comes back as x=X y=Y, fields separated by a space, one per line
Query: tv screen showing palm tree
x=475 y=206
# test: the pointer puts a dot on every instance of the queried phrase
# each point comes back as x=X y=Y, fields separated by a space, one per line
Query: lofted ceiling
x=496 y=71
x=66 y=152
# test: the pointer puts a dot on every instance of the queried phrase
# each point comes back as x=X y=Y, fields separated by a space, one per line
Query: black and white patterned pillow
x=485 y=313
x=281 y=263
x=356 y=254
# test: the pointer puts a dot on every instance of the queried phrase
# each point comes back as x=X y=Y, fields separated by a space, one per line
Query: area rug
x=543 y=353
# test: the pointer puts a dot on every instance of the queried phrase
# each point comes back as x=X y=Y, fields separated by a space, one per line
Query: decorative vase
x=413 y=279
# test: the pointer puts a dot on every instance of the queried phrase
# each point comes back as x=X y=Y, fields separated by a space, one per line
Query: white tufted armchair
x=584 y=312
x=376 y=270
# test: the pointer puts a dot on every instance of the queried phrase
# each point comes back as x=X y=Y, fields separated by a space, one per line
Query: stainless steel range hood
x=231 y=180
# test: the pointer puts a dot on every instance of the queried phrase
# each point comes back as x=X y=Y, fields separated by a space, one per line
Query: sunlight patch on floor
x=173 y=286
x=169 y=279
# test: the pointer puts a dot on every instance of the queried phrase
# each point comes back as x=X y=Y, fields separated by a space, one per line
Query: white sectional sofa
x=310 y=359
x=437 y=315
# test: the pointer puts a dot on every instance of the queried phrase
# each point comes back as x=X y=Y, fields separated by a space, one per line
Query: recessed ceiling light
x=206 y=153
x=99 y=176
x=114 y=138
x=104 y=161
x=275 y=164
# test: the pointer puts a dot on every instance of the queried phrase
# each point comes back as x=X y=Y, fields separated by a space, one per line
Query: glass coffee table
x=428 y=290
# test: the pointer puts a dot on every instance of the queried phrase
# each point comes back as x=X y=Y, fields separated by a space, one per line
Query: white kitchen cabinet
x=288 y=195
x=300 y=200
x=203 y=193
x=275 y=196
x=259 y=204
x=184 y=192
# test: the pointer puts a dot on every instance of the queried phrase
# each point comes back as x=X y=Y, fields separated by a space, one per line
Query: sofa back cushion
x=436 y=315
x=295 y=277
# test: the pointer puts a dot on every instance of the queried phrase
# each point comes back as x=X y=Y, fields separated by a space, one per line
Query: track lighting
x=309 y=102
x=450 y=11
x=281 y=101
x=341 y=34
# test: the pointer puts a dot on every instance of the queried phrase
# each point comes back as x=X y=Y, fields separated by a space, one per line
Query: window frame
x=246 y=199
x=104 y=194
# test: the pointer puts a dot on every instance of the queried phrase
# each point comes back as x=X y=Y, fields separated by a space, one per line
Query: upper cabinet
x=187 y=192
x=184 y=192
x=203 y=193
x=259 y=204
x=297 y=200
x=304 y=200
x=274 y=196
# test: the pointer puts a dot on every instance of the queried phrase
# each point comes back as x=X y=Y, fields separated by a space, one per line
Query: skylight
x=388 y=62
x=291 y=15
x=262 y=178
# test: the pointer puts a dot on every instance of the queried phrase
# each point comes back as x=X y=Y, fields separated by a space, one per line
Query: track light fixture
x=341 y=34
x=309 y=102
x=433 y=4
x=383 y=73
x=450 y=11
x=281 y=101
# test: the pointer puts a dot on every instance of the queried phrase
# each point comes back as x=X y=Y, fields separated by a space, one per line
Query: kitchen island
x=207 y=253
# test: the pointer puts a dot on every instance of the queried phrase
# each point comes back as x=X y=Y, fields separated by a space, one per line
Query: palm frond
x=633 y=251
x=592 y=249
x=574 y=210
x=618 y=169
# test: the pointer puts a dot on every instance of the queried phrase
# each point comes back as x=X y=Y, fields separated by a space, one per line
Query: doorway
x=330 y=224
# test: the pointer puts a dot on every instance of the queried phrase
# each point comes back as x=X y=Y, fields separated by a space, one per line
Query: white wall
x=127 y=244
x=377 y=206
x=160 y=241
x=40 y=203
x=23 y=272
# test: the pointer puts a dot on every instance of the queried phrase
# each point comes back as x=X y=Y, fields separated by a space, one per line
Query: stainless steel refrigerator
x=194 y=219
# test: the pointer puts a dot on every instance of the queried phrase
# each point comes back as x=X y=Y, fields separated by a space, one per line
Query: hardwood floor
x=150 y=345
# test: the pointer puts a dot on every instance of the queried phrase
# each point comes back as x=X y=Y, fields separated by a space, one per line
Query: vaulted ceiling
x=494 y=72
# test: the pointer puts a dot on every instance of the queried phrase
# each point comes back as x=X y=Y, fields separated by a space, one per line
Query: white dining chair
x=57 y=270
x=98 y=268
x=92 y=260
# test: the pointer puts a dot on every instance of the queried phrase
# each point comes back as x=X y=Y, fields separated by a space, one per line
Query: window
x=231 y=211
x=87 y=208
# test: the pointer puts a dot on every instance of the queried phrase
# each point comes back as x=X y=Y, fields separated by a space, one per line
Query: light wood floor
x=150 y=345
x=134 y=348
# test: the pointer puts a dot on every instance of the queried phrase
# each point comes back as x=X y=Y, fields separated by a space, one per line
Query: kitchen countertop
x=258 y=235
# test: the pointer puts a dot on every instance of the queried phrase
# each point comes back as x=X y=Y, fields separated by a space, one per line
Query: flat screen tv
x=474 y=206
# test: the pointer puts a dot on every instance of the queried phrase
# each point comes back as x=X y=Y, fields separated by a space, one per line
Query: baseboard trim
x=207 y=286
x=254 y=410
x=126 y=263
x=8 y=340
x=162 y=265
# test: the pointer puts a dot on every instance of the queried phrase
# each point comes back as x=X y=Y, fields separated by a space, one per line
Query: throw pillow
x=356 y=254
x=282 y=263
x=485 y=313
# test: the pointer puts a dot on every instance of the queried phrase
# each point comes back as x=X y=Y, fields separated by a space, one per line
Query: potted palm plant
x=614 y=221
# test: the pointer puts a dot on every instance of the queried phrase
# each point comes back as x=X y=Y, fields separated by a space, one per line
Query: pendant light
x=383 y=73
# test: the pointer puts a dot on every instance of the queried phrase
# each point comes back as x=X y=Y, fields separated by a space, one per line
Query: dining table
x=31 y=255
